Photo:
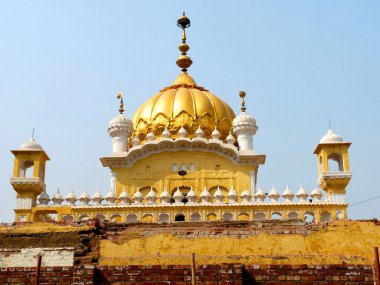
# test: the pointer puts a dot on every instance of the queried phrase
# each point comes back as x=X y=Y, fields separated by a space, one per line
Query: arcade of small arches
x=191 y=215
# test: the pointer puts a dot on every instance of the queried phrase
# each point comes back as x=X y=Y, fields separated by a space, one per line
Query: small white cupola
x=120 y=129
x=244 y=127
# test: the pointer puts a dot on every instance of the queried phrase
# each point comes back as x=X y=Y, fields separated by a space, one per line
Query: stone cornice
x=23 y=182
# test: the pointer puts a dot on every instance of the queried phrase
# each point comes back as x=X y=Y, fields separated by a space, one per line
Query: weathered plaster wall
x=57 y=244
x=26 y=257
x=346 y=241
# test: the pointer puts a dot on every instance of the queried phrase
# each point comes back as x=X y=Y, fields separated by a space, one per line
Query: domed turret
x=120 y=129
x=244 y=127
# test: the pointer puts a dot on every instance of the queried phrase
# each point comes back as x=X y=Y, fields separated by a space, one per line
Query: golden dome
x=183 y=104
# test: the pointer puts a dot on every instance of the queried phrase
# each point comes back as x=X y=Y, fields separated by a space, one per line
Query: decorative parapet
x=135 y=153
x=153 y=199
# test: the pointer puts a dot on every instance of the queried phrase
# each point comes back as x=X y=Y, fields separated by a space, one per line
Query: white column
x=252 y=176
x=24 y=203
x=113 y=181
x=119 y=144
x=245 y=141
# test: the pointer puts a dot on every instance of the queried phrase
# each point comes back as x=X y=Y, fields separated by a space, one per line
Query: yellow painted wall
x=346 y=241
x=156 y=171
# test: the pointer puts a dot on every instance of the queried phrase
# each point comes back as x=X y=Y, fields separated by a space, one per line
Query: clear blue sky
x=300 y=62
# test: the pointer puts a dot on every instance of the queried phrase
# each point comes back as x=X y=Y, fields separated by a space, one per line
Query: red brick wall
x=57 y=275
x=225 y=274
x=308 y=274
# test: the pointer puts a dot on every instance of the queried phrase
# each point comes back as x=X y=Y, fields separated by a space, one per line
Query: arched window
x=276 y=216
x=244 y=216
x=309 y=217
x=147 y=218
x=84 y=217
x=116 y=218
x=260 y=216
x=211 y=217
x=100 y=217
x=335 y=162
x=174 y=167
x=195 y=217
x=293 y=215
x=163 y=218
x=68 y=218
x=191 y=167
x=26 y=168
x=179 y=218
x=131 y=218
x=228 y=216
x=326 y=217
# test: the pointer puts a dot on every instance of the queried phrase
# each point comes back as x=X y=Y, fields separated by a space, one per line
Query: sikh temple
x=185 y=156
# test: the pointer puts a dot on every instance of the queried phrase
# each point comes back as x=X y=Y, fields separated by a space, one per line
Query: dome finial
x=184 y=61
x=242 y=95
x=120 y=96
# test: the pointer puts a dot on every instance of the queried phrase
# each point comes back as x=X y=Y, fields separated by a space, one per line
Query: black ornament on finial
x=183 y=22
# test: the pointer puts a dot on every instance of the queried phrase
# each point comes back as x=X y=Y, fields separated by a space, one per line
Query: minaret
x=28 y=177
x=333 y=168
x=244 y=127
x=120 y=129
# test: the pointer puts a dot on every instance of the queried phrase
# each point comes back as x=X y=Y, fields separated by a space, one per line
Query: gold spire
x=120 y=96
x=183 y=61
x=242 y=96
